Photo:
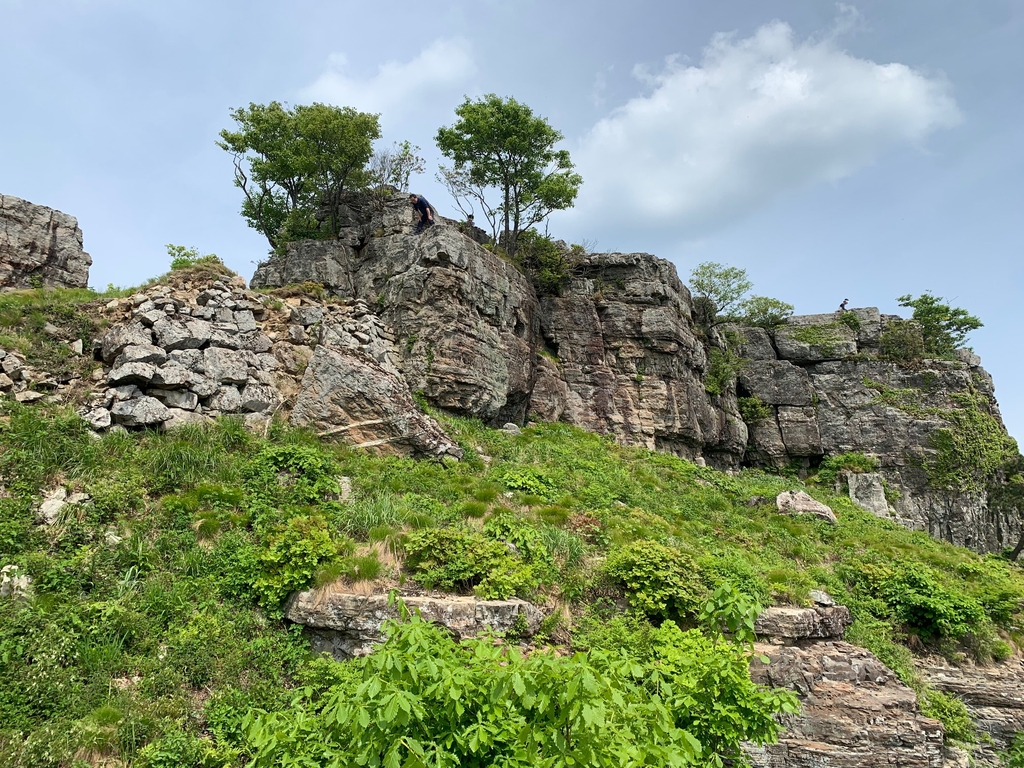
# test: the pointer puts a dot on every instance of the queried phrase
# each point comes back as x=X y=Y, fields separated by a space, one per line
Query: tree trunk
x=1017 y=550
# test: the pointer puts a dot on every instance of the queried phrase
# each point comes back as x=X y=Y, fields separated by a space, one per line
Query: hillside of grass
x=152 y=634
x=145 y=625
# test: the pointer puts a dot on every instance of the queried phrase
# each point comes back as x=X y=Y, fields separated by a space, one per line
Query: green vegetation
x=723 y=366
x=500 y=144
x=753 y=409
x=151 y=635
x=832 y=466
x=827 y=337
x=720 y=296
x=971 y=451
x=189 y=258
x=291 y=161
x=548 y=263
x=902 y=341
x=944 y=328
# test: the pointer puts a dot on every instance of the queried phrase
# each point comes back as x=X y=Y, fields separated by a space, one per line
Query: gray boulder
x=140 y=412
x=350 y=397
x=40 y=247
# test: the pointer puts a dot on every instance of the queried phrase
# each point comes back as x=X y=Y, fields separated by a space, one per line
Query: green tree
x=944 y=328
x=290 y=162
x=720 y=296
x=499 y=143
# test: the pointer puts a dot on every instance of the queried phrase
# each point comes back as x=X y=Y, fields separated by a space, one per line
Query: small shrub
x=902 y=341
x=919 y=601
x=850 y=320
x=753 y=409
x=832 y=466
x=659 y=580
x=765 y=312
x=528 y=480
x=290 y=557
x=188 y=258
x=723 y=365
x=952 y=713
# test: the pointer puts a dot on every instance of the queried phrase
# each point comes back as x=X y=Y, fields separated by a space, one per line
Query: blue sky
x=833 y=150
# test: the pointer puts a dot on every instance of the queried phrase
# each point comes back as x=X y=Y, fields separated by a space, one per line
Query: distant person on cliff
x=842 y=307
x=426 y=211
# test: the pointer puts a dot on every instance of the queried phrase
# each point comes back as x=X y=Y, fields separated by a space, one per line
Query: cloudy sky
x=833 y=150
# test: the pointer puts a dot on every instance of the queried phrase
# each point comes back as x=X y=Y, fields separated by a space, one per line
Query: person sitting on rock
x=842 y=307
x=426 y=211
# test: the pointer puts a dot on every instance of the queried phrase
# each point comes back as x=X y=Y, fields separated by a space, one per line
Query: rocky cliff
x=619 y=352
x=40 y=247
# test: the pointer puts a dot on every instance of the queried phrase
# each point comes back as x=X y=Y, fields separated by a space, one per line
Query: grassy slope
x=155 y=608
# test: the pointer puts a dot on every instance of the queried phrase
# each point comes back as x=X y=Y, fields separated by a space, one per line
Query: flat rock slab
x=790 y=624
x=348 y=625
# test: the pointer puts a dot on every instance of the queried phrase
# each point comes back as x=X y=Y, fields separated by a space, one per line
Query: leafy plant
x=659 y=580
x=723 y=366
x=902 y=341
x=290 y=557
x=766 y=312
x=944 y=329
x=188 y=258
x=753 y=409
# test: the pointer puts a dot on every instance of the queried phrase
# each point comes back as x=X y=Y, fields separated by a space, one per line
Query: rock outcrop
x=994 y=697
x=183 y=355
x=346 y=625
x=829 y=393
x=617 y=353
x=854 y=711
x=40 y=247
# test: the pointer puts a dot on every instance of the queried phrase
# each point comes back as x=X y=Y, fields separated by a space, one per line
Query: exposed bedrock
x=40 y=247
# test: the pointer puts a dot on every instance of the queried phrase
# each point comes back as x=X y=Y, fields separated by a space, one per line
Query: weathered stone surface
x=40 y=247
x=176 y=398
x=840 y=342
x=131 y=373
x=98 y=418
x=227 y=399
x=171 y=376
x=994 y=696
x=348 y=396
x=799 y=430
x=776 y=382
x=258 y=397
x=225 y=365
x=348 y=625
x=177 y=418
x=789 y=624
x=141 y=353
x=867 y=491
x=181 y=334
x=139 y=412
x=854 y=712
x=755 y=343
x=798 y=502
x=118 y=337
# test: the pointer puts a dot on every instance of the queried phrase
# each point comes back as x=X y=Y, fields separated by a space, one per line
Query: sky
x=833 y=150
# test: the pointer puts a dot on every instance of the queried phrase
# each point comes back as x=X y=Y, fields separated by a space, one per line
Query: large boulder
x=347 y=625
x=348 y=396
x=40 y=247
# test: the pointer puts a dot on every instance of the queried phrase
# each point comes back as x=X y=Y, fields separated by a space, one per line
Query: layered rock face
x=854 y=711
x=40 y=247
x=617 y=353
x=184 y=355
x=829 y=393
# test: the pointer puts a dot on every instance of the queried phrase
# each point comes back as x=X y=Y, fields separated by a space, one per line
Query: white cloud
x=397 y=88
x=758 y=117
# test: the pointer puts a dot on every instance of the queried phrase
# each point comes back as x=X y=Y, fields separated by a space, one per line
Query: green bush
x=480 y=703
x=753 y=409
x=291 y=554
x=832 y=466
x=944 y=329
x=919 y=601
x=549 y=264
x=659 y=580
x=765 y=312
x=187 y=258
x=902 y=341
x=952 y=713
x=529 y=480
x=723 y=365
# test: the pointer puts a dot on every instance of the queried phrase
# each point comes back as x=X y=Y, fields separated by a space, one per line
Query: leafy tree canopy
x=499 y=143
x=944 y=328
x=721 y=294
x=290 y=162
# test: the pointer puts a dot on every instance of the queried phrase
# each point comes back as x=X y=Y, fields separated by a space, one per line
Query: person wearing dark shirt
x=425 y=210
x=842 y=307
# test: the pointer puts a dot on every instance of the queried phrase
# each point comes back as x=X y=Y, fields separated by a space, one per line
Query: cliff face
x=619 y=353
x=40 y=247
